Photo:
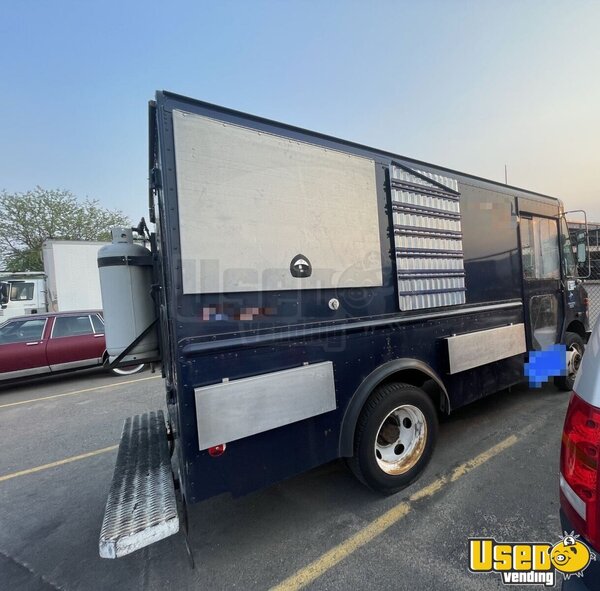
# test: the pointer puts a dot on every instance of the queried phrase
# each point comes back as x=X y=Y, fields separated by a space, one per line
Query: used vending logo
x=529 y=563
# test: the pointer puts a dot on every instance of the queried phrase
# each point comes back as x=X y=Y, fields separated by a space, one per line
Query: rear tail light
x=579 y=467
x=217 y=450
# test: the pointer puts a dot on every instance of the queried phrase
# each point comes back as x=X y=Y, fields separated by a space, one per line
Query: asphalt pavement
x=494 y=473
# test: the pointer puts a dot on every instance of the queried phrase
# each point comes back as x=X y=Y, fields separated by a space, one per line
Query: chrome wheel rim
x=128 y=370
x=574 y=355
x=401 y=440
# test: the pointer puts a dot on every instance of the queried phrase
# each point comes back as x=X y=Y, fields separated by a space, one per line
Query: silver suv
x=580 y=463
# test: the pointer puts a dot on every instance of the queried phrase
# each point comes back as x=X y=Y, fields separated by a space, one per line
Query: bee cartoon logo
x=530 y=563
x=570 y=556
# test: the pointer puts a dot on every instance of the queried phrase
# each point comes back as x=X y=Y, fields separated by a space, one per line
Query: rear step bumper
x=141 y=507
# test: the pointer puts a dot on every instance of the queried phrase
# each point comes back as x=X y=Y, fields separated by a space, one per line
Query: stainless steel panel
x=232 y=410
x=474 y=349
x=250 y=201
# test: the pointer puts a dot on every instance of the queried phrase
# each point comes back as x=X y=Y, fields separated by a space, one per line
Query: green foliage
x=28 y=219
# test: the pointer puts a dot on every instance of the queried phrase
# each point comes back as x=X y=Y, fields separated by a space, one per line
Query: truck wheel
x=128 y=370
x=395 y=436
x=575 y=349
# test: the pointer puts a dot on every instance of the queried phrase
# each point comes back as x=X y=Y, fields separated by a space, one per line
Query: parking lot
x=494 y=474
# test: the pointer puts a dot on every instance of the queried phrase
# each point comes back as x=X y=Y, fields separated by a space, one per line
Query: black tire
x=576 y=344
x=365 y=464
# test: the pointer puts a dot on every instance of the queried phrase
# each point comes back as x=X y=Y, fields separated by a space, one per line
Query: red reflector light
x=217 y=450
x=579 y=457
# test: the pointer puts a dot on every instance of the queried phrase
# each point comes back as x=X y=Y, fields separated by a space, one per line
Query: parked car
x=51 y=343
x=579 y=464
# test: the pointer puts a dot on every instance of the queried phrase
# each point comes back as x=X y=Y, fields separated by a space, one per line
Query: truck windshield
x=568 y=257
x=21 y=291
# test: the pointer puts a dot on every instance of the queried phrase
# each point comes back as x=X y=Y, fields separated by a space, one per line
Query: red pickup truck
x=51 y=343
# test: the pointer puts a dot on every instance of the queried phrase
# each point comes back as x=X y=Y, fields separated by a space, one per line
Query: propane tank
x=126 y=286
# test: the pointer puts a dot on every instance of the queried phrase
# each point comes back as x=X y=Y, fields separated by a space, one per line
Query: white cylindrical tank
x=126 y=286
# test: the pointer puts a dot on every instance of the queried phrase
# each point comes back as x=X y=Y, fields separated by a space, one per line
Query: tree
x=28 y=219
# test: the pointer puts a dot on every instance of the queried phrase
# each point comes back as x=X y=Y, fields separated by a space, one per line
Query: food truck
x=310 y=299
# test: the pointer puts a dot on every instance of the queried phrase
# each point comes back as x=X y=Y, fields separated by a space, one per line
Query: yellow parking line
x=113 y=385
x=328 y=560
x=58 y=463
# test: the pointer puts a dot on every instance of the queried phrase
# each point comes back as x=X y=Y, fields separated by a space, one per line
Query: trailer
x=311 y=299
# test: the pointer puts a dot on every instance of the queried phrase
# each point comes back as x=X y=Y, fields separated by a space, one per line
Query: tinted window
x=98 y=324
x=490 y=245
x=71 y=326
x=21 y=331
x=539 y=248
x=21 y=291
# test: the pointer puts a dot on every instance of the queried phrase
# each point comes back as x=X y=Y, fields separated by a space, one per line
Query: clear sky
x=467 y=85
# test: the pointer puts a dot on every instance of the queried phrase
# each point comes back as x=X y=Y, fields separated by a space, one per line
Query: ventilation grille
x=427 y=239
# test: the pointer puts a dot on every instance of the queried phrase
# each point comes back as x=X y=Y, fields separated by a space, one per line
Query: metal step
x=141 y=507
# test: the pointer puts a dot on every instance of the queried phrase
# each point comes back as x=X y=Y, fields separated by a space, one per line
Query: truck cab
x=22 y=294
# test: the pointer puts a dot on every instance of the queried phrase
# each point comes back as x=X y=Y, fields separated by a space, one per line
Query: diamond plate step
x=141 y=507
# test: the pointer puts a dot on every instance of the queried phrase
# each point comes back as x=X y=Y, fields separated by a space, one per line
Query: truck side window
x=527 y=249
x=539 y=246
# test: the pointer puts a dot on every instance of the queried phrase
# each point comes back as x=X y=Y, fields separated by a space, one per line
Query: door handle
x=29 y=344
x=98 y=335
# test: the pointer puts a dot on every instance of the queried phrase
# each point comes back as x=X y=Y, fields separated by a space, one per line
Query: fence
x=593 y=289
x=592 y=283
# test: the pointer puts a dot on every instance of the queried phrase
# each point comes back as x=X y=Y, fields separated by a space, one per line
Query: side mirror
x=582 y=243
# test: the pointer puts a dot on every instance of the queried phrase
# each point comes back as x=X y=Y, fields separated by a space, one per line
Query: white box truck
x=21 y=294
x=69 y=281
x=72 y=281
